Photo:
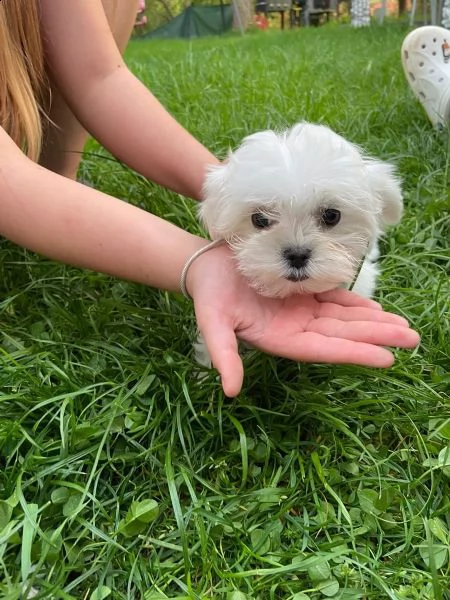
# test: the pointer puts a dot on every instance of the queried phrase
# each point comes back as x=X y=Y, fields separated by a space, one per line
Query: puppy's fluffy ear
x=386 y=185
x=213 y=208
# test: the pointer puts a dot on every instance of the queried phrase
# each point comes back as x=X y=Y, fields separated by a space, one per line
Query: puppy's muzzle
x=297 y=260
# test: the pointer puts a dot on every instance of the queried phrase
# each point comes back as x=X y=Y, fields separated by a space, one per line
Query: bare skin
x=112 y=104
x=72 y=223
x=65 y=138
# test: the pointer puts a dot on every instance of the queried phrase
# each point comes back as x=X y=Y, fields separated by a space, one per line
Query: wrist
x=215 y=257
x=188 y=264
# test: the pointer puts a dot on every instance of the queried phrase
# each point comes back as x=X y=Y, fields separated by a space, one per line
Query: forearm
x=77 y=225
x=129 y=121
x=112 y=104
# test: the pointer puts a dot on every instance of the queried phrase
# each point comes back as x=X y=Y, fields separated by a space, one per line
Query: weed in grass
x=125 y=477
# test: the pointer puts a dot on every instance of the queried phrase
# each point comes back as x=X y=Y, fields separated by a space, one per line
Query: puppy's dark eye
x=260 y=221
x=330 y=217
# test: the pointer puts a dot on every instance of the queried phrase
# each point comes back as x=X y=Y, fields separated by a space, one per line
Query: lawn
x=124 y=476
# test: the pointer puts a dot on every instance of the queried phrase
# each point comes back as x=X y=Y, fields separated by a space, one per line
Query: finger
x=346 y=298
x=381 y=334
x=314 y=347
x=357 y=313
x=220 y=339
x=231 y=372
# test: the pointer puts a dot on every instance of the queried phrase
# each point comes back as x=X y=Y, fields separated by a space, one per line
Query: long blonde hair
x=22 y=74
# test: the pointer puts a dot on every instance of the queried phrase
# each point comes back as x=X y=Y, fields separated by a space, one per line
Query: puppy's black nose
x=297 y=257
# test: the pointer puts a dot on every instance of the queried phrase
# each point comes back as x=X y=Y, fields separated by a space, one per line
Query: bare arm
x=112 y=104
x=69 y=222
x=72 y=223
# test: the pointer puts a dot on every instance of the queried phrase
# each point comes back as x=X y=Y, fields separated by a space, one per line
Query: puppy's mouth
x=296 y=276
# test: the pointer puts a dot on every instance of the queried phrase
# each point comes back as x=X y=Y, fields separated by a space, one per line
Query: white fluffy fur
x=292 y=177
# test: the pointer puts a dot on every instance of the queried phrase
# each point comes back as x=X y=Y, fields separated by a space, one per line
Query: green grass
x=124 y=476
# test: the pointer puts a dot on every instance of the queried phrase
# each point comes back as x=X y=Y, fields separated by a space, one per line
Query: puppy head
x=299 y=209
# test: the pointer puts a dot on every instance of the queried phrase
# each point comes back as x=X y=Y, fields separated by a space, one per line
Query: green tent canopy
x=196 y=21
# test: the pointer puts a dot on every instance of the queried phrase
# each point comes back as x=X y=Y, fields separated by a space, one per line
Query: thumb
x=231 y=372
x=222 y=345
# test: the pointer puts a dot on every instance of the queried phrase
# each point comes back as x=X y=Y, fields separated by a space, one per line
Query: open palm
x=333 y=327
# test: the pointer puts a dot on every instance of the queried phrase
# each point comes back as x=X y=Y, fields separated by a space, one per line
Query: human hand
x=332 y=327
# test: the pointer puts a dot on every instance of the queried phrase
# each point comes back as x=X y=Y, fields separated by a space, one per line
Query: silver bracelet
x=189 y=262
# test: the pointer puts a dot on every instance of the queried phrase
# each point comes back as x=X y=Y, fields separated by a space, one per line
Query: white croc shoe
x=426 y=60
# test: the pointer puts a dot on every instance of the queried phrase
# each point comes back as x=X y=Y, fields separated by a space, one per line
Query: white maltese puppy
x=302 y=211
